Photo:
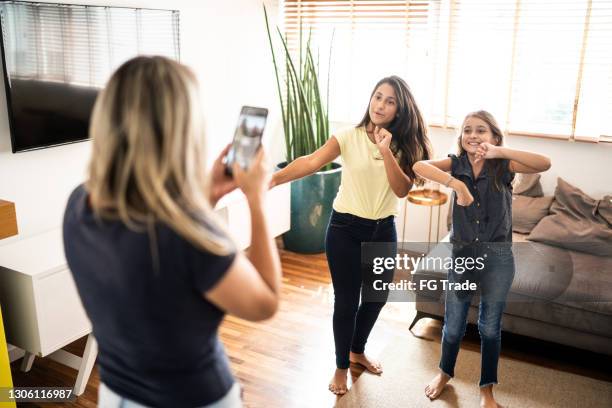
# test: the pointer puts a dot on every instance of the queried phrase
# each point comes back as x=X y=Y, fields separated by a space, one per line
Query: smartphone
x=247 y=137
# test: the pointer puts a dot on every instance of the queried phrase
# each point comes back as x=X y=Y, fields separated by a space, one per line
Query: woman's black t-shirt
x=157 y=334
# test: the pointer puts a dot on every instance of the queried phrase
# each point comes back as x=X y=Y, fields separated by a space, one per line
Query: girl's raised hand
x=487 y=151
x=382 y=138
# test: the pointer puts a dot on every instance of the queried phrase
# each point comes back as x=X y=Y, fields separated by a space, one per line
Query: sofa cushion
x=604 y=209
x=566 y=288
x=527 y=185
x=575 y=222
x=528 y=211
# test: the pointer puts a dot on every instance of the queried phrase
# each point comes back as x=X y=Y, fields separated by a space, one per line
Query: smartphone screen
x=247 y=137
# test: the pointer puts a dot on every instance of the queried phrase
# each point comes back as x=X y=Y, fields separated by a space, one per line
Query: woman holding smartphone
x=155 y=269
x=377 y=157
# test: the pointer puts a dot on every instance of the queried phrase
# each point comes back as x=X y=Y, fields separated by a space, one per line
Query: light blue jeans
x=494 y=283
x=107 y=398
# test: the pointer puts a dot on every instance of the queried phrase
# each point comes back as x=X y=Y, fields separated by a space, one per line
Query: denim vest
x=489 y=217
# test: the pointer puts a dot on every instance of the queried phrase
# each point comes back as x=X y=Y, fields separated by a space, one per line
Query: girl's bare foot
x=370 y=365
x=337 y=385
x=436 y=386
x=486 y=398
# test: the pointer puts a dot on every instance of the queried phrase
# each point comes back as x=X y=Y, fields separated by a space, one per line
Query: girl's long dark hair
x=494 y=165
x=410 y=142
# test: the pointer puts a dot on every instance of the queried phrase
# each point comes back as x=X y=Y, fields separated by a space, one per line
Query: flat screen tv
x=56 y=58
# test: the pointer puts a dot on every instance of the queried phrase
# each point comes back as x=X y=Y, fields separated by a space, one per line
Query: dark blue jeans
x=353 y=320
x=494 y=282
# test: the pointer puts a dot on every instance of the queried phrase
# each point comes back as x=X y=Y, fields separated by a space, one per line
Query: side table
x=430 y=198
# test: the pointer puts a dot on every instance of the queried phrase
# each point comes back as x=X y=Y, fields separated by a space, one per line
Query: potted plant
x=306 y=128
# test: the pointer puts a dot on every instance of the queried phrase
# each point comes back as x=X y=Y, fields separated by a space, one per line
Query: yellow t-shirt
x=364 y=187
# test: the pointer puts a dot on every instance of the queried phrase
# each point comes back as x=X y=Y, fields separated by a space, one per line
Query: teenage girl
x=377 y=157
x=481 y=177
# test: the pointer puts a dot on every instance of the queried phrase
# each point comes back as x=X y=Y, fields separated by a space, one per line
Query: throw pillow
x=527 y=185
x=604 y=209
x=574 y=223
x=528 y=211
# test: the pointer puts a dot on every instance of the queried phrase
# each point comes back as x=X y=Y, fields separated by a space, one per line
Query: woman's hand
x=273 y=182
x=255 y=181
x=220 y=183
x=382 y=137
x=464 y=197
x=487 y=151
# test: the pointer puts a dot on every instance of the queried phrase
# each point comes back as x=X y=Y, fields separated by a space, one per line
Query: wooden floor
x=287 y=361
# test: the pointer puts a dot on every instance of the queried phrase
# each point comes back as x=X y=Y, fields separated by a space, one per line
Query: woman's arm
x=306 y=165
x=251 y=287
x=520 y=161
x=398 y=180
x=436 y=170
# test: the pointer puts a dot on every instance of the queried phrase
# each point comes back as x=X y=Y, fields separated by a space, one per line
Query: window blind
x=371 y=39
x=541 y=67
x=82 y=45
x=594 y=96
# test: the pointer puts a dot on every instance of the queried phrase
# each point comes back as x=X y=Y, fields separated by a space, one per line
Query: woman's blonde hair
x=149 y=158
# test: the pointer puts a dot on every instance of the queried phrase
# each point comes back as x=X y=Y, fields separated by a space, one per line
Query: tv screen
x=57 y=57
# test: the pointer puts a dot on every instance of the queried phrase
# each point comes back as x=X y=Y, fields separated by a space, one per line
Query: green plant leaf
x=305 y=117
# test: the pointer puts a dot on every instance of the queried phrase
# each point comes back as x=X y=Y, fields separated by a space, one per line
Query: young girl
x=481 y=177
x=377 y=156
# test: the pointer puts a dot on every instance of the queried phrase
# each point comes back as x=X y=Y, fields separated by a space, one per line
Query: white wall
x=225 y=42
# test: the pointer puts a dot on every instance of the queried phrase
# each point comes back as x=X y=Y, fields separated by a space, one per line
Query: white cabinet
x=234 y=209
x=42 y=309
